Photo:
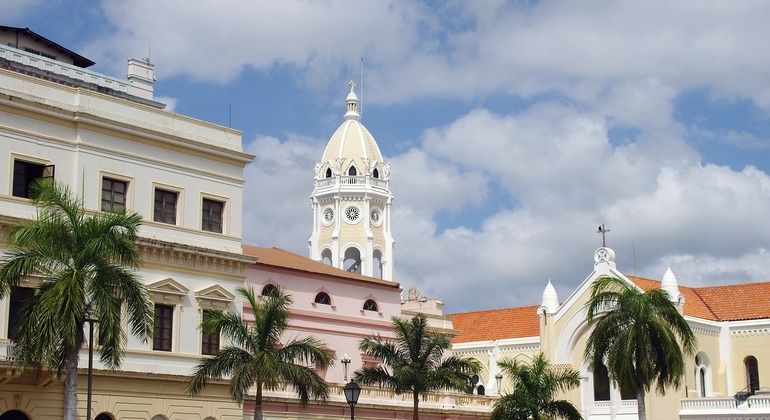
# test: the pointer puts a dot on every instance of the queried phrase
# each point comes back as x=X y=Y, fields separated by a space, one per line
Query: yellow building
x=731 y=323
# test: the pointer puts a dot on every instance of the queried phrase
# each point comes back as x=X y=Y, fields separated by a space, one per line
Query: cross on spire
x=352 y=84
x=603 y=230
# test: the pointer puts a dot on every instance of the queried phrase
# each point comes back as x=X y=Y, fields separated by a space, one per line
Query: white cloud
x=565 y=176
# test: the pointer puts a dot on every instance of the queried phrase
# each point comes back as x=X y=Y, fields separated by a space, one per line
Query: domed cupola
x=351 y=200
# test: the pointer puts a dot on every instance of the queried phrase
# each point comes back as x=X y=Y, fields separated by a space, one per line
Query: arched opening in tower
x=352 y=262
x=377 y=264
x=326 y=256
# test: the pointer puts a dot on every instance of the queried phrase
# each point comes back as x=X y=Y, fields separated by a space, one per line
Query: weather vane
x=603 y=230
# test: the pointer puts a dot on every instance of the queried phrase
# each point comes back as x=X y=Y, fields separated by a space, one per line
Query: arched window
x=322 y=298
x=370 y=305
x=377 y=264
x=352 y=171
x=104 y=416
x=14 y=415
x=328 y=172
x=480 y=390
x=752 y=374
x=376 y=173
x=268 y=290
x=601 y=383
x=326 y=256
x=159 y=417
x=702 y=375
x=352 y=262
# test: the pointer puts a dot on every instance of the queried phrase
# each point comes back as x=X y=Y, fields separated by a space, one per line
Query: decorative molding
x=167 y=290
x=214 y=297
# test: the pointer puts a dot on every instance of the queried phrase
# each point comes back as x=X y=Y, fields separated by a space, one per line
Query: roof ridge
x=495 y=309
x=705 y=303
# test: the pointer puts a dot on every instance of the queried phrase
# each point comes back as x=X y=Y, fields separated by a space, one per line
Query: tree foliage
x=255 y=356
x=414 y=362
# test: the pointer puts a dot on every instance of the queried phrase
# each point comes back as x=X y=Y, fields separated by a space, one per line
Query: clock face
x=352 y=214
x=328 y=216
x=376 y=217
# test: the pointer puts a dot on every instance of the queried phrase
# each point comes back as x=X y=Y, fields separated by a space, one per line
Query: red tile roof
x=734 y=302
x=282 y=258
x=494 y=324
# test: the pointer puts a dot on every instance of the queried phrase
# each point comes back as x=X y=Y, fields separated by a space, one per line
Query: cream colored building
x=116 y=147
x=731 y=323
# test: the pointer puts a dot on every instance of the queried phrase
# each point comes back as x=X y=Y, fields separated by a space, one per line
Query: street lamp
x=499 y=379
x=90 y=319
x=352 y=391
x=345 y=361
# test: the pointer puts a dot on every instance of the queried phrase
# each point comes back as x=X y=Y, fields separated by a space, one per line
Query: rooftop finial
x=352 y=103
x=603 y=230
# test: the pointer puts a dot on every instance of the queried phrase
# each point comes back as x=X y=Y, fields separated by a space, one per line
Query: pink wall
x=340 y=325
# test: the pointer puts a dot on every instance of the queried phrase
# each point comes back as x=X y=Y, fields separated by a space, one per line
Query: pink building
x=341 y=308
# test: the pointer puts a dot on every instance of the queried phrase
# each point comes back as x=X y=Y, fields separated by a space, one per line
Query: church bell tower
x=351 y=200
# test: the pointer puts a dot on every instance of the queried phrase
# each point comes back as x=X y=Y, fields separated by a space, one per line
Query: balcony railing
x=387 y=397
x=351 y=180
x=728 y=408
x=7 y=353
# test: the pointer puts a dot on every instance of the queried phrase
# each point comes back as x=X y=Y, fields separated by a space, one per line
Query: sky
x=513 y=129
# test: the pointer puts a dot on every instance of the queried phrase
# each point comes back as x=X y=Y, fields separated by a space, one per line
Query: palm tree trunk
x=72 y=357
x=416 y=412
x=258 y=403
x=640 y=403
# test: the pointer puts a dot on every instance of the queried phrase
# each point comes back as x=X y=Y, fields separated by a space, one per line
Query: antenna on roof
x=149 y=54
x=361 y=99
x=633 y=253
x=230 y=116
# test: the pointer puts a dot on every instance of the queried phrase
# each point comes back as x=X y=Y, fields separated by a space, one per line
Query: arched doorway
x=14 y=415
x=104 y=416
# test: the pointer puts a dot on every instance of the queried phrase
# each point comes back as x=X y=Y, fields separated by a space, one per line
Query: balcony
x=385 y=397
x=755 y=407
x=347 y=180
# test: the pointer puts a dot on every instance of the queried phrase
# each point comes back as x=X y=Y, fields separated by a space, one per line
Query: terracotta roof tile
x=278 y=257
x=495 y=324
x=733 y=302
x=717 y=303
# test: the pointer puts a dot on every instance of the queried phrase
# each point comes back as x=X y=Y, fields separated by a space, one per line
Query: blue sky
x=514 y=128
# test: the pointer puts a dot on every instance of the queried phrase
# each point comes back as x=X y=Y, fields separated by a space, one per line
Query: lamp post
x=345 y=361
x=499 y=379
x=352 y=392
x=90 y=319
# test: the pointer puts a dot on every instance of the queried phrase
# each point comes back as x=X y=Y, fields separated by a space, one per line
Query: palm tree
x=414 y=361
x=639 y=336
x=88 y=263
x=535 y=385
x=257 y=358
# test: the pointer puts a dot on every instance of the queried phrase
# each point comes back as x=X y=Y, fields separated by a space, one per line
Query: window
x=163 y=328
x=104 y=416
x=480 y=390
x=269 y=290
x=601 y=383
x=113 y=195
x=212 y=215
x=376 y=173
x=370 y=305
x=20 y=297
x=323 y=298
x=752 y=374
x=165 y=206
x=328 y=172
x=377 y=264
x=326 y=256
x=702 y=375
x=352 y=261
x=25 y=173
x=352 y=171
x=209 y=342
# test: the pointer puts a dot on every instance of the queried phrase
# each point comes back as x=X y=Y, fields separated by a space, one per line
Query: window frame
x=328 y=297
x=376 y=306
x=129 y=180
x=179 y=220
x=209 y=340
x=46 y=163
x=170 y=328
x=225 y=209
x=113 y=181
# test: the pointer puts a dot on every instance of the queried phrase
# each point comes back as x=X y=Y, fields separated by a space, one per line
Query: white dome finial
x=352 y=103
x=670 y=285
x=550 y=298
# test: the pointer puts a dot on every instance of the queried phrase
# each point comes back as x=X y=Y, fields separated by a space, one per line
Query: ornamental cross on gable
x=352 y=84
x=603 y=230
